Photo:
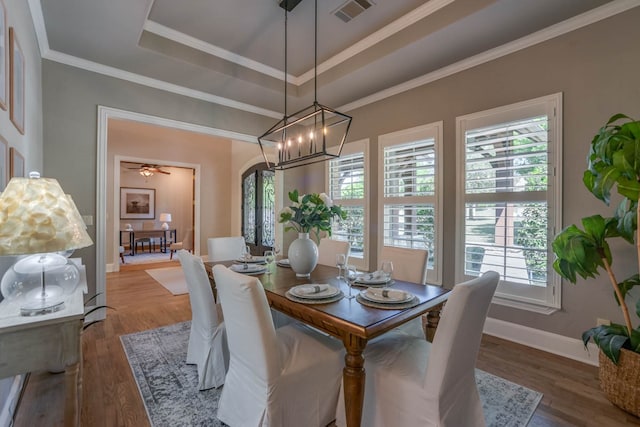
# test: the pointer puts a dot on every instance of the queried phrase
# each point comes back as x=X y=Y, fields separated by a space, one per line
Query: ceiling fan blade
x=164 y=172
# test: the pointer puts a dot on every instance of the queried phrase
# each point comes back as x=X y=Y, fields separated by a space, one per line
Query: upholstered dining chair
x=225 y=248
x=409 y=265
x=411 y=382
x=146 y=225
x=186 y=244
x=207 y=347
x=286 y=377
x=329 y=248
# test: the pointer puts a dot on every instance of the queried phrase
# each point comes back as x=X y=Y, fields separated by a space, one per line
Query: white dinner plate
x=386 y=296
x=314 y=291
x=251 y=268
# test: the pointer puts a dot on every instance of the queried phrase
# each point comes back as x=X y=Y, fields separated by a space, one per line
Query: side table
x=47 y=342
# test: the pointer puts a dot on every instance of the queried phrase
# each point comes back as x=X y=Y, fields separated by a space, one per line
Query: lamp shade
x=37 y=217
x=165 y=217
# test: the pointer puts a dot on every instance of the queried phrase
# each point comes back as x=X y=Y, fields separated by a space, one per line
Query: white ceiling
x=232 y=51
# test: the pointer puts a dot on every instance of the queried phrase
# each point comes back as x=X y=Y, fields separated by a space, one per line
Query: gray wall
x=596 y=68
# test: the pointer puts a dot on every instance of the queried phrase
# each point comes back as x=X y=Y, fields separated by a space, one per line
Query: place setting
x=377 y=293
x=249 y=264
x=378 y=278
x=284 y=263
x=313 y=293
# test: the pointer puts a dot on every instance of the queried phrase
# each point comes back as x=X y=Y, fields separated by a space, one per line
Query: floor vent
x=352 y=8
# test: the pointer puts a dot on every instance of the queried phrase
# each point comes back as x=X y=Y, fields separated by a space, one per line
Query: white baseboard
x=11 y=401
x=542 y=340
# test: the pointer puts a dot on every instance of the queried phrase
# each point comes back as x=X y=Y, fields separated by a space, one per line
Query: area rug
x=168 y=386
x=171 y=278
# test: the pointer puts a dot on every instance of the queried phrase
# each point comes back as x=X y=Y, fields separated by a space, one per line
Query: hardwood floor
x=110 y=396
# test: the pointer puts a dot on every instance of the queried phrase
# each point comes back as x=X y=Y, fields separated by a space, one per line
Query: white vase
x=303 y=255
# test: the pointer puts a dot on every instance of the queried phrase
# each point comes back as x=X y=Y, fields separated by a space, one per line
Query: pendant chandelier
x=311 y=135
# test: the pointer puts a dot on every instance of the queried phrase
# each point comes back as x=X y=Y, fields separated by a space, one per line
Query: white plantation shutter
x=509 y=198
x=347 y=187
x=409 y=183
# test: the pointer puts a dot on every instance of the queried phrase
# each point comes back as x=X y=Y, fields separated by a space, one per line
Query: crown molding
x=106 y=70
x=610 y=9
x=194 y=43
x=571 y=24
x=362 y=45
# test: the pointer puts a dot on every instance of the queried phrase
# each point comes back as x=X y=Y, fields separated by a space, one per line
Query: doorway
x=258 y=208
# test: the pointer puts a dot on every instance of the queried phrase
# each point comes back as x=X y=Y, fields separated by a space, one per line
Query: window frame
x=533 y=298
x=431 y=130
x=360 y=146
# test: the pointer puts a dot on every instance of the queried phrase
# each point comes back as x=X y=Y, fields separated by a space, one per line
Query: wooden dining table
x=347 y=319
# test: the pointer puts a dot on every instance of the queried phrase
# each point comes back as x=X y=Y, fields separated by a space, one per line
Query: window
x=346 y=186
x=410 y=185
x=508 y=199
x=258 y=208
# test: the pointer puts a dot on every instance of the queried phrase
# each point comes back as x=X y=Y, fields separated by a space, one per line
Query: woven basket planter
x=621 y=382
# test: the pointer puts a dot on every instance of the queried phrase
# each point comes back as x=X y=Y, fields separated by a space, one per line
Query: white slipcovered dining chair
x=286 y=377
x=411 y=382
x=207 y=341
x=329 y=248
x=225 y=248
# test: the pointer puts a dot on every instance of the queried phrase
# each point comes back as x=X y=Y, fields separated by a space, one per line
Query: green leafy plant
x=310 y=212
x=614 y=161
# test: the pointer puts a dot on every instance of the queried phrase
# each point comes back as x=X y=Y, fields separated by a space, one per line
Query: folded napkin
x=388 y=294
x=313 y=289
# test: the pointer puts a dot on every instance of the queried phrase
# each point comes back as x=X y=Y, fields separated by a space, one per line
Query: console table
x=162 y=234
x=47 y=342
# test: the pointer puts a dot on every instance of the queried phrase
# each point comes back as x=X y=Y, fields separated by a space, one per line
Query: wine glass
x=269 y=258
x=341 y=259
x=246 y=255
x=350 y=276
x=387 y=269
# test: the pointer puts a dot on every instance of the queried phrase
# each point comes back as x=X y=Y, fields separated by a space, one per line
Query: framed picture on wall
x=16 y=163
x=16 y=82
x=4 y=163
x=4 y=57
x=137 y=203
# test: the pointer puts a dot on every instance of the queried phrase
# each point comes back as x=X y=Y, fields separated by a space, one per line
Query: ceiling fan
x=146 y=169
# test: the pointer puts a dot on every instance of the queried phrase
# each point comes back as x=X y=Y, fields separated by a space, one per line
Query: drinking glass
x=341 y=259
x=269 y=258
x=350 y=276
x=387 y=269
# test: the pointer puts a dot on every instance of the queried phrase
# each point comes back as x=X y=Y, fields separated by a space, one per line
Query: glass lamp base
x=35 y=303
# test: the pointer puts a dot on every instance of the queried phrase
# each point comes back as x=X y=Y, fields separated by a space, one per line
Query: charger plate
x=415 y=301
x=314 y=291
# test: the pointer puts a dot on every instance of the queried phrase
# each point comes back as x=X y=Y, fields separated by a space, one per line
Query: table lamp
x=165 y=217
x=39 y=220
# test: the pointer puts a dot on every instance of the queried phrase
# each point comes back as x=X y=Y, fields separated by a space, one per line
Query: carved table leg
x=72 y=398
x=353 y=377
x=433 y=318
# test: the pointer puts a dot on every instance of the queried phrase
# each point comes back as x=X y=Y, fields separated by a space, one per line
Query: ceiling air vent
x=352 y=8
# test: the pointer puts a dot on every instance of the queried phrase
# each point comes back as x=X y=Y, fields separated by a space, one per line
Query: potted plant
x=614 y=161
x=308 y=213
